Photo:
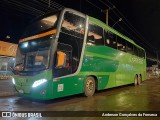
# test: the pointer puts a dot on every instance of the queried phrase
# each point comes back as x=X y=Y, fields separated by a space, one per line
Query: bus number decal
x=60 y=87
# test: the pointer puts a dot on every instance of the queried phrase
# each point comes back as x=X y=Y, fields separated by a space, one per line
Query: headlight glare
x=38 y=82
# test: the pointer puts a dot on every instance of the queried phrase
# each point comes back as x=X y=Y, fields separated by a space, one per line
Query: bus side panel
x=100 y=61
x=68 y=86
x=111 y=67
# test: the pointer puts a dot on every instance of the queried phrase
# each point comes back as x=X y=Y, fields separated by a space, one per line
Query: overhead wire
x=112 y=18
x=27 y=6
x=23 y=8
x=39 y=5
x=53 y=4
x=94 y=5
x=135 y=30
x=121 y=26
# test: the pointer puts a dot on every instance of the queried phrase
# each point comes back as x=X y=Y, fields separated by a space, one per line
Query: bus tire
x=136 y=80
x=139 y=79
x=89 y=87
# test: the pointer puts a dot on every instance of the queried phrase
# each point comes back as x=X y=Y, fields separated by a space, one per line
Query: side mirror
x=61 y=59
x=18 y=67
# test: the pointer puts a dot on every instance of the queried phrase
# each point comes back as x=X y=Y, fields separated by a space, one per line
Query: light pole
x=120 y=19
x=106 y=12
x=107 y=16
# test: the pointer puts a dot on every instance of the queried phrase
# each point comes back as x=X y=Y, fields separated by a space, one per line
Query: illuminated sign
x=8 y=49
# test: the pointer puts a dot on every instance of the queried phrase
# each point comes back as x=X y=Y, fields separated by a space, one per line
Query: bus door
x=70 y=42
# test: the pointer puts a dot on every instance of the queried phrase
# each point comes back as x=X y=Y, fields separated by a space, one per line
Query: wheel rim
x=140 y=79
x=90 y=85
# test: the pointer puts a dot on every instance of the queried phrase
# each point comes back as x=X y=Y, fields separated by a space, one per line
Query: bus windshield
x=33 y=55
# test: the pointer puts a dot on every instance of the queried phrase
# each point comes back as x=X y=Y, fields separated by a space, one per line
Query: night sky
x=143 y=15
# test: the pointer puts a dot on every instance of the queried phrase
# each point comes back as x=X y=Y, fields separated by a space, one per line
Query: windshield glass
x=33 y=55
x=41 y=25
x=34 y=49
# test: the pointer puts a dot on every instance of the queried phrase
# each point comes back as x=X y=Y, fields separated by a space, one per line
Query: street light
x=120 y=19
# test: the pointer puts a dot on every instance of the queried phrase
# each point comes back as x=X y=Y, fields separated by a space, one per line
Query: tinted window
x=141 y=53
x=110 y=40
x=130 y=48
x=73 y=25
x=41 y=25
x=95 y=35
x=135 y=51
x=70 y=42
x=121 y=44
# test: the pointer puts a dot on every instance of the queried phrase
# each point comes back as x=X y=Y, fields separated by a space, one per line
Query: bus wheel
x=89 y=86
x=136 y=80
x=139 y=79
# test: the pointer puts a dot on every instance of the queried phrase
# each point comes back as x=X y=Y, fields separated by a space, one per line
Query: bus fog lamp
x=38 y=82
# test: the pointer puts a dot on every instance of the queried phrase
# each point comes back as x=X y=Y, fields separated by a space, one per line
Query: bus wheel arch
x=90 y=85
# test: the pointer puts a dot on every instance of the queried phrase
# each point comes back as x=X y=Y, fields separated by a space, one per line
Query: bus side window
x=73 y=25
x=63 y=60
x=141 y=53
x=130 y=48
x=135 y=50
x=121 y=44
x=95 y=35
x=70 y=41
x=110 y=40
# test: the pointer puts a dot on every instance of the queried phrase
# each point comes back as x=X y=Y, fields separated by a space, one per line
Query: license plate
x=20 y=91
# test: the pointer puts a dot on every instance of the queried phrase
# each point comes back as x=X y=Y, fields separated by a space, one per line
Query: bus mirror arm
x=12 y=69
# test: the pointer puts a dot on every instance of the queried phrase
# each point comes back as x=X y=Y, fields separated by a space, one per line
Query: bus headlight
x=38 y=82
x=13 y=81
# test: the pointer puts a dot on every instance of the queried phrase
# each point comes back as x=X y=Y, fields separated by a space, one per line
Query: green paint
x=111 y=68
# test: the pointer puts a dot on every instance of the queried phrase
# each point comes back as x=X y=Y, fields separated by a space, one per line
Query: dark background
x=140 y=18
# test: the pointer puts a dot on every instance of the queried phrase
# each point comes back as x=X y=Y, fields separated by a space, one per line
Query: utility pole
x=106 y=12
x=107 y=16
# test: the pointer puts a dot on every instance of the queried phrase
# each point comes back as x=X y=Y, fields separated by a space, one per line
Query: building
x=7 y=58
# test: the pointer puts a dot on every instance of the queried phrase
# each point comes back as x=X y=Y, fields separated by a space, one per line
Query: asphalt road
x=145 y=97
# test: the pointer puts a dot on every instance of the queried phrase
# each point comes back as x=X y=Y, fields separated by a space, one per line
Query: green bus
x=67 y=52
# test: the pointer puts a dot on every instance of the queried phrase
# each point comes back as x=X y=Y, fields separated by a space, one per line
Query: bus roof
x=103 y=25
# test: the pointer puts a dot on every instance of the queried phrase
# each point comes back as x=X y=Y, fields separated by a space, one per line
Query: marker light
x=25 y=44
x=13 y=81
x=38 y=82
